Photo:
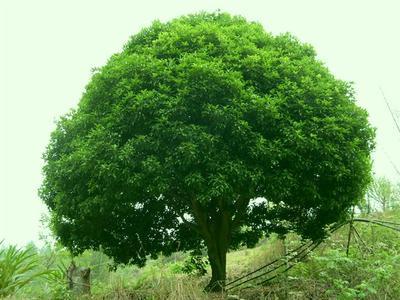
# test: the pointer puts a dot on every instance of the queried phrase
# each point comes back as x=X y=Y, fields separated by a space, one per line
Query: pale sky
x=48 y=48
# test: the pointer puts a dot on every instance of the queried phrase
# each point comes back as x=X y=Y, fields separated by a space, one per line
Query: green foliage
x=51 y=262
x=196 y=265
x=363 y=275
x=194 y=118
x=17 y=268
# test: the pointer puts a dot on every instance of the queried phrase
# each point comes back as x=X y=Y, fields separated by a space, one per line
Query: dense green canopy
x=176 y=135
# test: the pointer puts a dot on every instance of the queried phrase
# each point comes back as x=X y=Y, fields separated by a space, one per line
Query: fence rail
x=298 y=254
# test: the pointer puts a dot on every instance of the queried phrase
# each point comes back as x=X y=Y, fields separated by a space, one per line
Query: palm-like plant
x=17 y=268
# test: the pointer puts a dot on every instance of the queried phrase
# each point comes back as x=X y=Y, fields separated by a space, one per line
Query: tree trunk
x=215 y=227
x=217 y=258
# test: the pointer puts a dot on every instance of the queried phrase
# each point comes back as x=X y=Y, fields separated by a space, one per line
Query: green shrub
x=18 y=267
x=195 y=265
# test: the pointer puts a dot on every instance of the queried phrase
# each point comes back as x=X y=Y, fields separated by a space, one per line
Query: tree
x=176 y=136
x=384 y=193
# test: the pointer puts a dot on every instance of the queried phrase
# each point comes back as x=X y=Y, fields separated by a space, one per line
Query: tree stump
x=78 y=279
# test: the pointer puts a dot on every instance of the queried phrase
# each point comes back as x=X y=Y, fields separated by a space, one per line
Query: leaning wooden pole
x=391 y=111
x=350 y=232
